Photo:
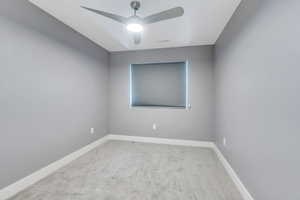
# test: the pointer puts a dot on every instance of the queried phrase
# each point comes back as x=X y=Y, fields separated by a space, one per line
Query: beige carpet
x=138 y=171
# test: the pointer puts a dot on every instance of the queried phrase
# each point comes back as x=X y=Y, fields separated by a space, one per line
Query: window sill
x=159 y=107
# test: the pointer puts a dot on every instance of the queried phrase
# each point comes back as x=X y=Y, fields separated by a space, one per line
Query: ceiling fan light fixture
x=134 y=27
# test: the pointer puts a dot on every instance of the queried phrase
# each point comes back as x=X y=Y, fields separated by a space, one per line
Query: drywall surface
x=52 y=90
x=258 y=99
x=195 y=123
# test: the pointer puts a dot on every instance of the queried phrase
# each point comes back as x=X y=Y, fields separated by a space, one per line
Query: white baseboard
x=193 y=143
x=24 y=183
x=244 y=192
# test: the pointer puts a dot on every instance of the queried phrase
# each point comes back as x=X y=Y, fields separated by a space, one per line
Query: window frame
x=187 y=104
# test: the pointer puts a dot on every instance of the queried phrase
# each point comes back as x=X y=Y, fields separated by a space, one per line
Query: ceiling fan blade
x=137 y=38
x=164 y=15
x=117 y=18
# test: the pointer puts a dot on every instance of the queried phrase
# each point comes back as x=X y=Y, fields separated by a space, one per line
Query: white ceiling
x=202 y=23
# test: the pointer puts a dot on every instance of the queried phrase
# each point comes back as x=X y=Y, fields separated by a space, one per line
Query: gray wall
x=258 y=98
x=172 y=123
x=52 y=90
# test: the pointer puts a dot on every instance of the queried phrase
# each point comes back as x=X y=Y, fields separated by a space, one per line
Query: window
x=158 y=85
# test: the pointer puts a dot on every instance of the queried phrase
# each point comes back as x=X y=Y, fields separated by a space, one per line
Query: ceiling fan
x=135 y=23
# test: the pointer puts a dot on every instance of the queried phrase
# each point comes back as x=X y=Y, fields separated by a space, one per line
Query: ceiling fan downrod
x=135 y=5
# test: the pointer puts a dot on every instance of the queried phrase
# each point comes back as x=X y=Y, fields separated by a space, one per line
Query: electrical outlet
x=154 y=127
x=224 y=142
x=92 y=131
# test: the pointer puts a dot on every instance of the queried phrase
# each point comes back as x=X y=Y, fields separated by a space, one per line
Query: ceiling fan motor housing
x=135 y=5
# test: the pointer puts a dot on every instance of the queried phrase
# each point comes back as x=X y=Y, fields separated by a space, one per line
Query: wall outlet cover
x=154 y=127
x=224 y=142
x=92 y=130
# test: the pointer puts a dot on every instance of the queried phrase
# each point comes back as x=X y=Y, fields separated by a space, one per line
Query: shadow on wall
x=29 y=16
x=240 y=24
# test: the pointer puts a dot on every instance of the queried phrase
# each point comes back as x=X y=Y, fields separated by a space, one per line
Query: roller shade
x=159 y=84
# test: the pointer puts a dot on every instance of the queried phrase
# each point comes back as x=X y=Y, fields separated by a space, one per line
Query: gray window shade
x=161 y=84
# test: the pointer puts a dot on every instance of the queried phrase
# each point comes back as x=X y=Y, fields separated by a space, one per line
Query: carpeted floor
x=138 y=171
